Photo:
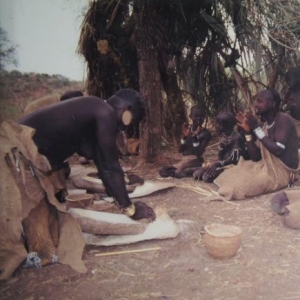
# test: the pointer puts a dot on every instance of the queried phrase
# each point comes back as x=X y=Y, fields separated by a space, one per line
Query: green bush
x=17 y=89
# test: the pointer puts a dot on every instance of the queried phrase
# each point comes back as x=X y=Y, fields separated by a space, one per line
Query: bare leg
x=186 y=169
x=209 y=179
x=199 y=173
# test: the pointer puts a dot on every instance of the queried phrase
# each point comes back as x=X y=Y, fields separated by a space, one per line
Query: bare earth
x=266 y=266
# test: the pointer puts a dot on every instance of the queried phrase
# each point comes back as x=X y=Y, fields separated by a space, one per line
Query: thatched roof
x=218 y=47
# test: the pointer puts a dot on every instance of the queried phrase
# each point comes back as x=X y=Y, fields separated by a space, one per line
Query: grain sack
x=41 y=103
x=249 y=178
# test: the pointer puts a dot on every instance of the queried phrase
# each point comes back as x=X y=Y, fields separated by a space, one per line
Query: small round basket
x=79 y=200
x=222 y=241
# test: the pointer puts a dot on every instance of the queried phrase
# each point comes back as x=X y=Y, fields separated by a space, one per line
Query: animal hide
x=25 y=179
x=97 y=222
x=146 y=189
x=162 y=228
x=82 y=179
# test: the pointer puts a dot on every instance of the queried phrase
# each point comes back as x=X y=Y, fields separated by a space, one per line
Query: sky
x=46 y=33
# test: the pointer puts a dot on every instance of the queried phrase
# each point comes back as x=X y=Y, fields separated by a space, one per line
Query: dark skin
x=70 y=94
x=132 y=131
x=192 y=134
x=191 y=131
x=87 y=126
x=282 y=131
x=231 y=147
x=292 y=98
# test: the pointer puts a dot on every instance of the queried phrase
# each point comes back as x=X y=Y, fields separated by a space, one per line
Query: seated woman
x=272 y=145
x=193 y=143
x=232 y=146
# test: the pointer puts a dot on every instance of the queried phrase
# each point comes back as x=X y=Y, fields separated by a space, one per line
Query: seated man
x=273 y=150
x=231 y=147
x=193 y=143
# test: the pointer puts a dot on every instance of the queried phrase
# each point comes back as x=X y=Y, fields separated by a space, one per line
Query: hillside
x=18 y=89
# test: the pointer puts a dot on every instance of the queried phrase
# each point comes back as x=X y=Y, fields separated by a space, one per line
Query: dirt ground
x=267 y=266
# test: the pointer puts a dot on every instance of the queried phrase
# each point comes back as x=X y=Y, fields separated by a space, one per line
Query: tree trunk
x=176 y=107
x=150 y=83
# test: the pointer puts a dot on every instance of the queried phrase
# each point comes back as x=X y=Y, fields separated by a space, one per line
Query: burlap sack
x=27 y=197
x=249 y=179
x=40 y=103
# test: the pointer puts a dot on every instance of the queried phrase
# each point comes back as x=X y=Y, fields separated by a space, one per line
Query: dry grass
x=266 y=266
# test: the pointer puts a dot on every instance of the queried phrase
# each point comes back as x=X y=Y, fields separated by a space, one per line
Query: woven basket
x=222 y=241
x=79 y=200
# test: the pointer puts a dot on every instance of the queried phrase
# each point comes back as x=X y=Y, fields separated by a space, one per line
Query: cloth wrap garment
x=249 y=178
x=27 y=197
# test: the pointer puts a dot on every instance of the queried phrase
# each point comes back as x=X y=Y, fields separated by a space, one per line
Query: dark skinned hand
x=211 y=169
x=247 y=121
x=251 y=120
x=142 y=211
x=197 y=131
x=185 y=129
